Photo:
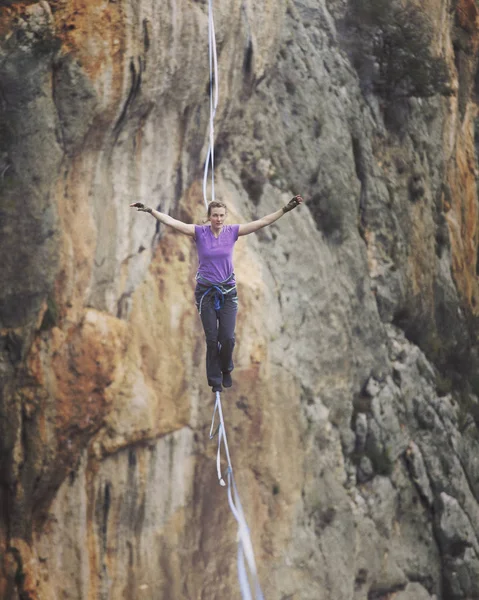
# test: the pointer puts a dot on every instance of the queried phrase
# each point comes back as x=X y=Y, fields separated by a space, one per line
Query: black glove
x=140 y=206
x=293 y=203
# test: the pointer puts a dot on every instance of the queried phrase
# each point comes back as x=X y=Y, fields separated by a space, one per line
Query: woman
x=215 y=293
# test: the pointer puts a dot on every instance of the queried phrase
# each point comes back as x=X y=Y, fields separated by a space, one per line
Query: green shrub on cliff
x=392 y=49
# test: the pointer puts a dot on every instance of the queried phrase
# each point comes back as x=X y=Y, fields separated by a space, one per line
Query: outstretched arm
x=166 y=219
x=253 y=226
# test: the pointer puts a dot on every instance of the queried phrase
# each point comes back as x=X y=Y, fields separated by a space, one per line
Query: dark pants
x=219 y=326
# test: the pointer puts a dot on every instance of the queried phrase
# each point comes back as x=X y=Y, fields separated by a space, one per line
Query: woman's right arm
x=185 y=228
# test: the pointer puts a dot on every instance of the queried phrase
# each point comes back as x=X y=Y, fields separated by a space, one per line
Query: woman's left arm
x=253 y=226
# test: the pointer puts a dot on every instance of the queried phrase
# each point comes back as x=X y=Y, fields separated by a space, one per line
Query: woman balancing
x=215 y=293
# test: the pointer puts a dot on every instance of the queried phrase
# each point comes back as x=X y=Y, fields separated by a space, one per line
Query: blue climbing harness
x=220 y=290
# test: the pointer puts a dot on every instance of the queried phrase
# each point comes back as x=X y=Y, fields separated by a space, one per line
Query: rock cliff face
x=353 y=418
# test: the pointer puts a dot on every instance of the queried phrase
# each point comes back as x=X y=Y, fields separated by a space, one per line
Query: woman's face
x=217 y=217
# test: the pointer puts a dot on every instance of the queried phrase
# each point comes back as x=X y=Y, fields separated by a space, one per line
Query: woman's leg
x=209 y=320
x=226 y=332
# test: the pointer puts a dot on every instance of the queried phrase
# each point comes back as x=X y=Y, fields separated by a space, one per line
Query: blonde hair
x=216 y=204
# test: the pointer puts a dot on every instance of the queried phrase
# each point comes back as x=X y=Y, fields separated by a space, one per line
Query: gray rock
x=365 y=470
x=419 y=472
x=361 y=429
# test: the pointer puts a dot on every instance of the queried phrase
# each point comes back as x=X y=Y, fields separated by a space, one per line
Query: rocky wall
x=354 y=445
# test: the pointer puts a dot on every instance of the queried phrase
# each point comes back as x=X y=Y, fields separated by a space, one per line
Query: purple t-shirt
x=215 y=255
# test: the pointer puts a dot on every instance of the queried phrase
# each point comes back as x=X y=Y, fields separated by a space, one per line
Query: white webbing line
x=245 y=547
x=214 y=94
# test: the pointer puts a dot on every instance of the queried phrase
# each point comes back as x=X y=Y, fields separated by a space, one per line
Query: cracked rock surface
x=352 y=422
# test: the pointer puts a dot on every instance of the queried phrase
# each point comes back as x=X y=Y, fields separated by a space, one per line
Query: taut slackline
x=216 y=301
x=245 y=547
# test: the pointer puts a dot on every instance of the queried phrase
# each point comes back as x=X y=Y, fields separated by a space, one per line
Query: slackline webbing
x=214 y=94
x=247 y=572
x=245 y=547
